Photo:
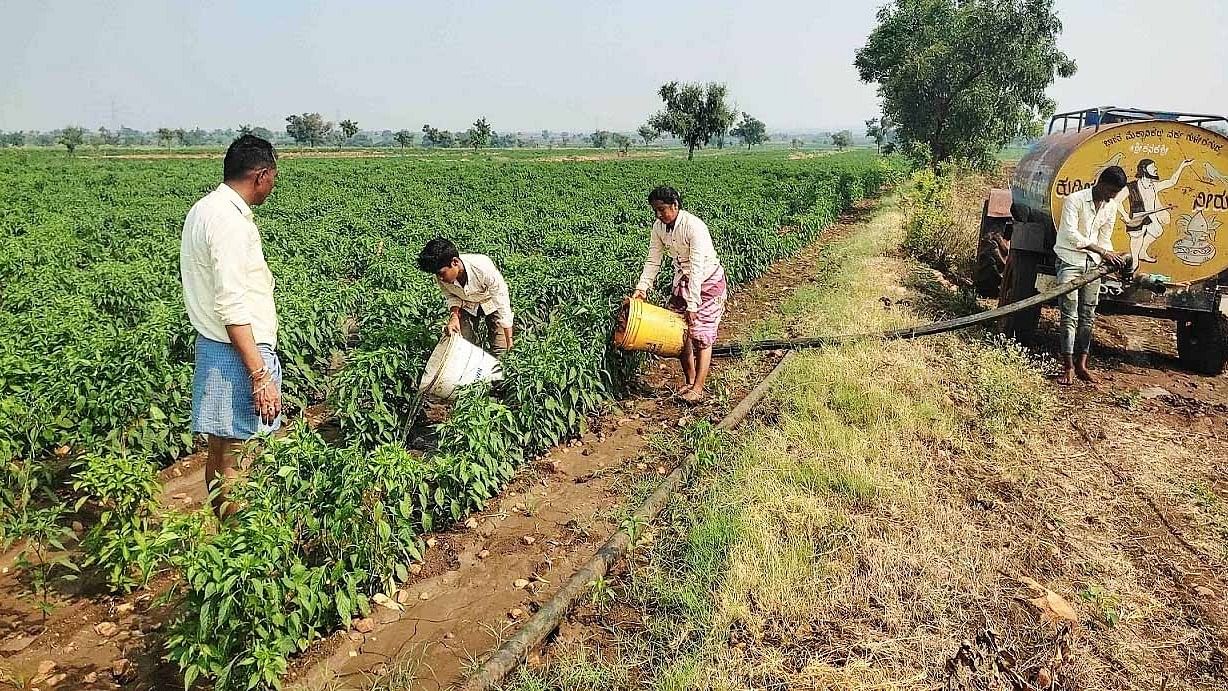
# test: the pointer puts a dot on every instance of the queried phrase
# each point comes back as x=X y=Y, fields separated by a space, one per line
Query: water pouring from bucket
x=651 y=329
x=456 y=363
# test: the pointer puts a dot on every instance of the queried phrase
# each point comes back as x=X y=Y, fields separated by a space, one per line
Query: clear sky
x=529 y=65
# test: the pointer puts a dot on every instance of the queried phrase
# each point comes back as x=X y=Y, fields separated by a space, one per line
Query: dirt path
x=464 y=599
x=567 y=504
x=1112 y=497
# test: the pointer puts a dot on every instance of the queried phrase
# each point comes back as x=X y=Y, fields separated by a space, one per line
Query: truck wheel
x=991 y=255
x=991 y=251
x=1202 y=342
x=1019 y=283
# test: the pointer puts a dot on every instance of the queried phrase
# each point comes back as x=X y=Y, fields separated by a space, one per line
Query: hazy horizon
x=531 y=66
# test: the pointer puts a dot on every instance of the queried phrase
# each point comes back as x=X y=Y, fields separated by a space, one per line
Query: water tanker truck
x=1177 y=202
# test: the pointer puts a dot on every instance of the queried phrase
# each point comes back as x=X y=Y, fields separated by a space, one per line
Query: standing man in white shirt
x=1084 y=240
x=476 y=293
x=228 y=291
x=699 y=289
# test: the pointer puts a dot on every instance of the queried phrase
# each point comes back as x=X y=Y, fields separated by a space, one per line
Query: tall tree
x=694 y=113
x=960 y=78
x=71 y=138
x=842 y=139
x=181 y=135
x=262 y=132
x=404 y=138
x=546 y=138
x=622 y=141
x=308 y=128
x=349 y=128
x=479 y=134
x=165 y=136
x=648 y=133
x=750 y=130
x=13 y=139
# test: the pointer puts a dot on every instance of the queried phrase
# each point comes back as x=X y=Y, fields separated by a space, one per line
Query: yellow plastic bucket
x=649 y=328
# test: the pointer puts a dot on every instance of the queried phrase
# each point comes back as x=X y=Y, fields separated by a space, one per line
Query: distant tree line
x=694 y=116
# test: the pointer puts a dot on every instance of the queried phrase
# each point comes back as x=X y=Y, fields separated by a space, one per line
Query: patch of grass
x=575 y=668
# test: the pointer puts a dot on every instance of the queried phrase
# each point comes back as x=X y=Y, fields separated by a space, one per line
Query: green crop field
x=96 y=353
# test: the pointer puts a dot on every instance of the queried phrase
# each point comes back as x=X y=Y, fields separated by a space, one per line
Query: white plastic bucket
x=454 y=363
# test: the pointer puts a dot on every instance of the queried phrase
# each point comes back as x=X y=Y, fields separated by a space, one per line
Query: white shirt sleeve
x=652 y=265
x=227 y=243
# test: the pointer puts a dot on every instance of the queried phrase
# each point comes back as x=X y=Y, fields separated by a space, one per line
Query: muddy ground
x=464 y=598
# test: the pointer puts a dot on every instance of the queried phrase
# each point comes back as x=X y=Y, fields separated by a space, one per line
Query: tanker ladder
x=910 y=332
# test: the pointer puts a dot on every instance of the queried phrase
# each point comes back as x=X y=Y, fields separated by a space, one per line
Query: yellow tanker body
x=1178 y=190
x=1174 y=222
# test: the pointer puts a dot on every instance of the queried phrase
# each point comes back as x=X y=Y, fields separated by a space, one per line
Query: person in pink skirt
x=699 y=289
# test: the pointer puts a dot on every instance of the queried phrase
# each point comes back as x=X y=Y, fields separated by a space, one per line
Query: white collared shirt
x=221 y=262
x=690 y=246
x=484 y=287
x=1083 y=226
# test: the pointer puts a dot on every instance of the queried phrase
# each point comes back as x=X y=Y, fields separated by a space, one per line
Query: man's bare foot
x=1086 y=375
x=1066 y=378
x=684 y=389
x=693 y=396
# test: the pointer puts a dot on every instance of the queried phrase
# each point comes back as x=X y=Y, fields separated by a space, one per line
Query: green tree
x=796 y=143
x=404 y=138
x=165 y=136
x=107 y=138
x=750 y=130
x=599 y=139
x=262 y=132
x=960 y=78
x=244 y=130
x=842 y=139
x=308 y=128
x=622 y=141
x=880 y=130
x=71 y=138
x=479 y=134
x=349 y=128
x=648 y=133
x=13 y=139
x=694 y=113
x=437 y=138
x=181 y=135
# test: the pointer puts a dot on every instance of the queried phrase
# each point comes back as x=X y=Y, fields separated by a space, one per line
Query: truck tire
x=1202 y=342
x=991 y=251
x=1019 y=283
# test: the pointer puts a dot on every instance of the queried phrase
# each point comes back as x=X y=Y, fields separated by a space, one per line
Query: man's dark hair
x=437 y=254
x=1113 y=176
x=1142 y=169
x=666 y=195
x=245 y=154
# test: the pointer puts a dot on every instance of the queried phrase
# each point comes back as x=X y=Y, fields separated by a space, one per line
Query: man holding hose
x=1084 y=241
